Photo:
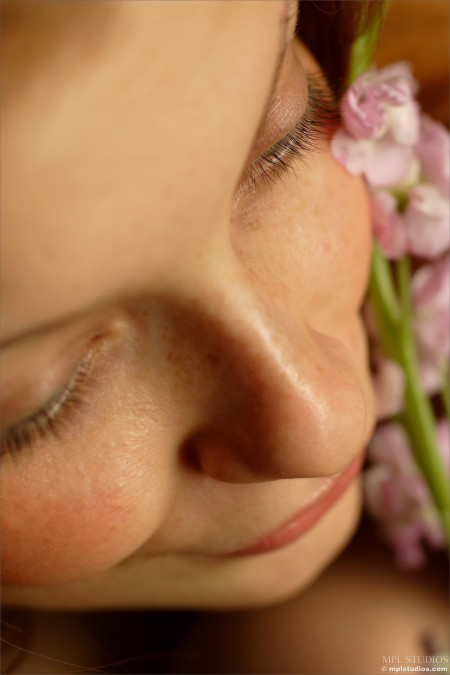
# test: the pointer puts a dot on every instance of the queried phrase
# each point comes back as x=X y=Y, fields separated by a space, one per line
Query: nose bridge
x=287 y=402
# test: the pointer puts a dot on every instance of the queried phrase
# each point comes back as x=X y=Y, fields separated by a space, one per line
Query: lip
x=308 y=516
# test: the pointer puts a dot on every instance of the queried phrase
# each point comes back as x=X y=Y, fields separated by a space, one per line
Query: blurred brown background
x=418 y=31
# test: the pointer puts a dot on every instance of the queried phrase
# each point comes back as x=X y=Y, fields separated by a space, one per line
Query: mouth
x=309 y=515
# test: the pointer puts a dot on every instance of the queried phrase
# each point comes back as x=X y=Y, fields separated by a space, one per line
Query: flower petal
x=427 y=221
x=433 y=151
x=364 y=116
x=397 y=82
x=350 y=153
x=388 y=225
x=390 y=445
x=389 y=384
x=404 y=123
x=388 y=163
x=406 y=540
x=430 y=292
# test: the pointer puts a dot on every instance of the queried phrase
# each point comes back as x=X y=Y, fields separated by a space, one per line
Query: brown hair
x=328 y=28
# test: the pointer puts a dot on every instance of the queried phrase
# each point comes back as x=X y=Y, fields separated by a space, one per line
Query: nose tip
x=285 y=405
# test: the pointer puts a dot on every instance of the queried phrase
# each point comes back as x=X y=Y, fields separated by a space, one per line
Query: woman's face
x=184 y=364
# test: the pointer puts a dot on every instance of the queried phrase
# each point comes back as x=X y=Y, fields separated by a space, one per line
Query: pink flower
x=385 y=139
x=364 y=115
x=433 y=151
x=397 y=82
x=407 y=539
x=381 y=102
x=389 y=384
x=427 y=221
x=388 y=225
x=384 y=162
x=389 y=445
x=394 y=495
x=430 y=289
x=406 y=542
x=430 y=292
x=398 y=496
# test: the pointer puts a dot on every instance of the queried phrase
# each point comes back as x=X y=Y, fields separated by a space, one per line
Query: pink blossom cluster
x=404 y=156
x=399 y=498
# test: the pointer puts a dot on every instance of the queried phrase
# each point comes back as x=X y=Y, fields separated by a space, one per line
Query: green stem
x=381 y=278
x=363 y=47
x=420 y=419
x=394 y=321
x=385 y=302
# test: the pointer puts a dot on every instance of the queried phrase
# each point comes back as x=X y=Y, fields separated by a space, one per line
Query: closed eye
x=53 y=417
x=319 y=120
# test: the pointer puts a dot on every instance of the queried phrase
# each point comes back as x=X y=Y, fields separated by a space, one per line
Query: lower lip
x=309 y=515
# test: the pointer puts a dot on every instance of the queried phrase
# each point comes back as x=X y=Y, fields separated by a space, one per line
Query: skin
x=218 y=324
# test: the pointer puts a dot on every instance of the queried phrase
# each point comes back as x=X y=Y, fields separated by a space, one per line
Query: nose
x=278 y=399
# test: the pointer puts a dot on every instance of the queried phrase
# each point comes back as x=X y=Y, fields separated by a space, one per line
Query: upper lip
x=332 y=484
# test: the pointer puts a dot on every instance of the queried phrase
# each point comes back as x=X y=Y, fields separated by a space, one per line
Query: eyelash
x=319 y=120
x=52 y=418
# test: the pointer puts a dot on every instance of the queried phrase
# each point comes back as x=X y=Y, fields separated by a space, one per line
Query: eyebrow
x=98 y=306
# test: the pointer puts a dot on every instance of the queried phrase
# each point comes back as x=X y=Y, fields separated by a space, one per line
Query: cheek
x=340 y=232
x=309 y=247
x=59 y=528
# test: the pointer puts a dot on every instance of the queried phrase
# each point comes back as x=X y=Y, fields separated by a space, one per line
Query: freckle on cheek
x=323 y=248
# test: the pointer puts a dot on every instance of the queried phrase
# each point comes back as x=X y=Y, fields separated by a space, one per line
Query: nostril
x=188 y=457
x=226 y=459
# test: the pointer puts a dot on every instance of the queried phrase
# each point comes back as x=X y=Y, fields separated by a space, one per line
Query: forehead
x=130 y=144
